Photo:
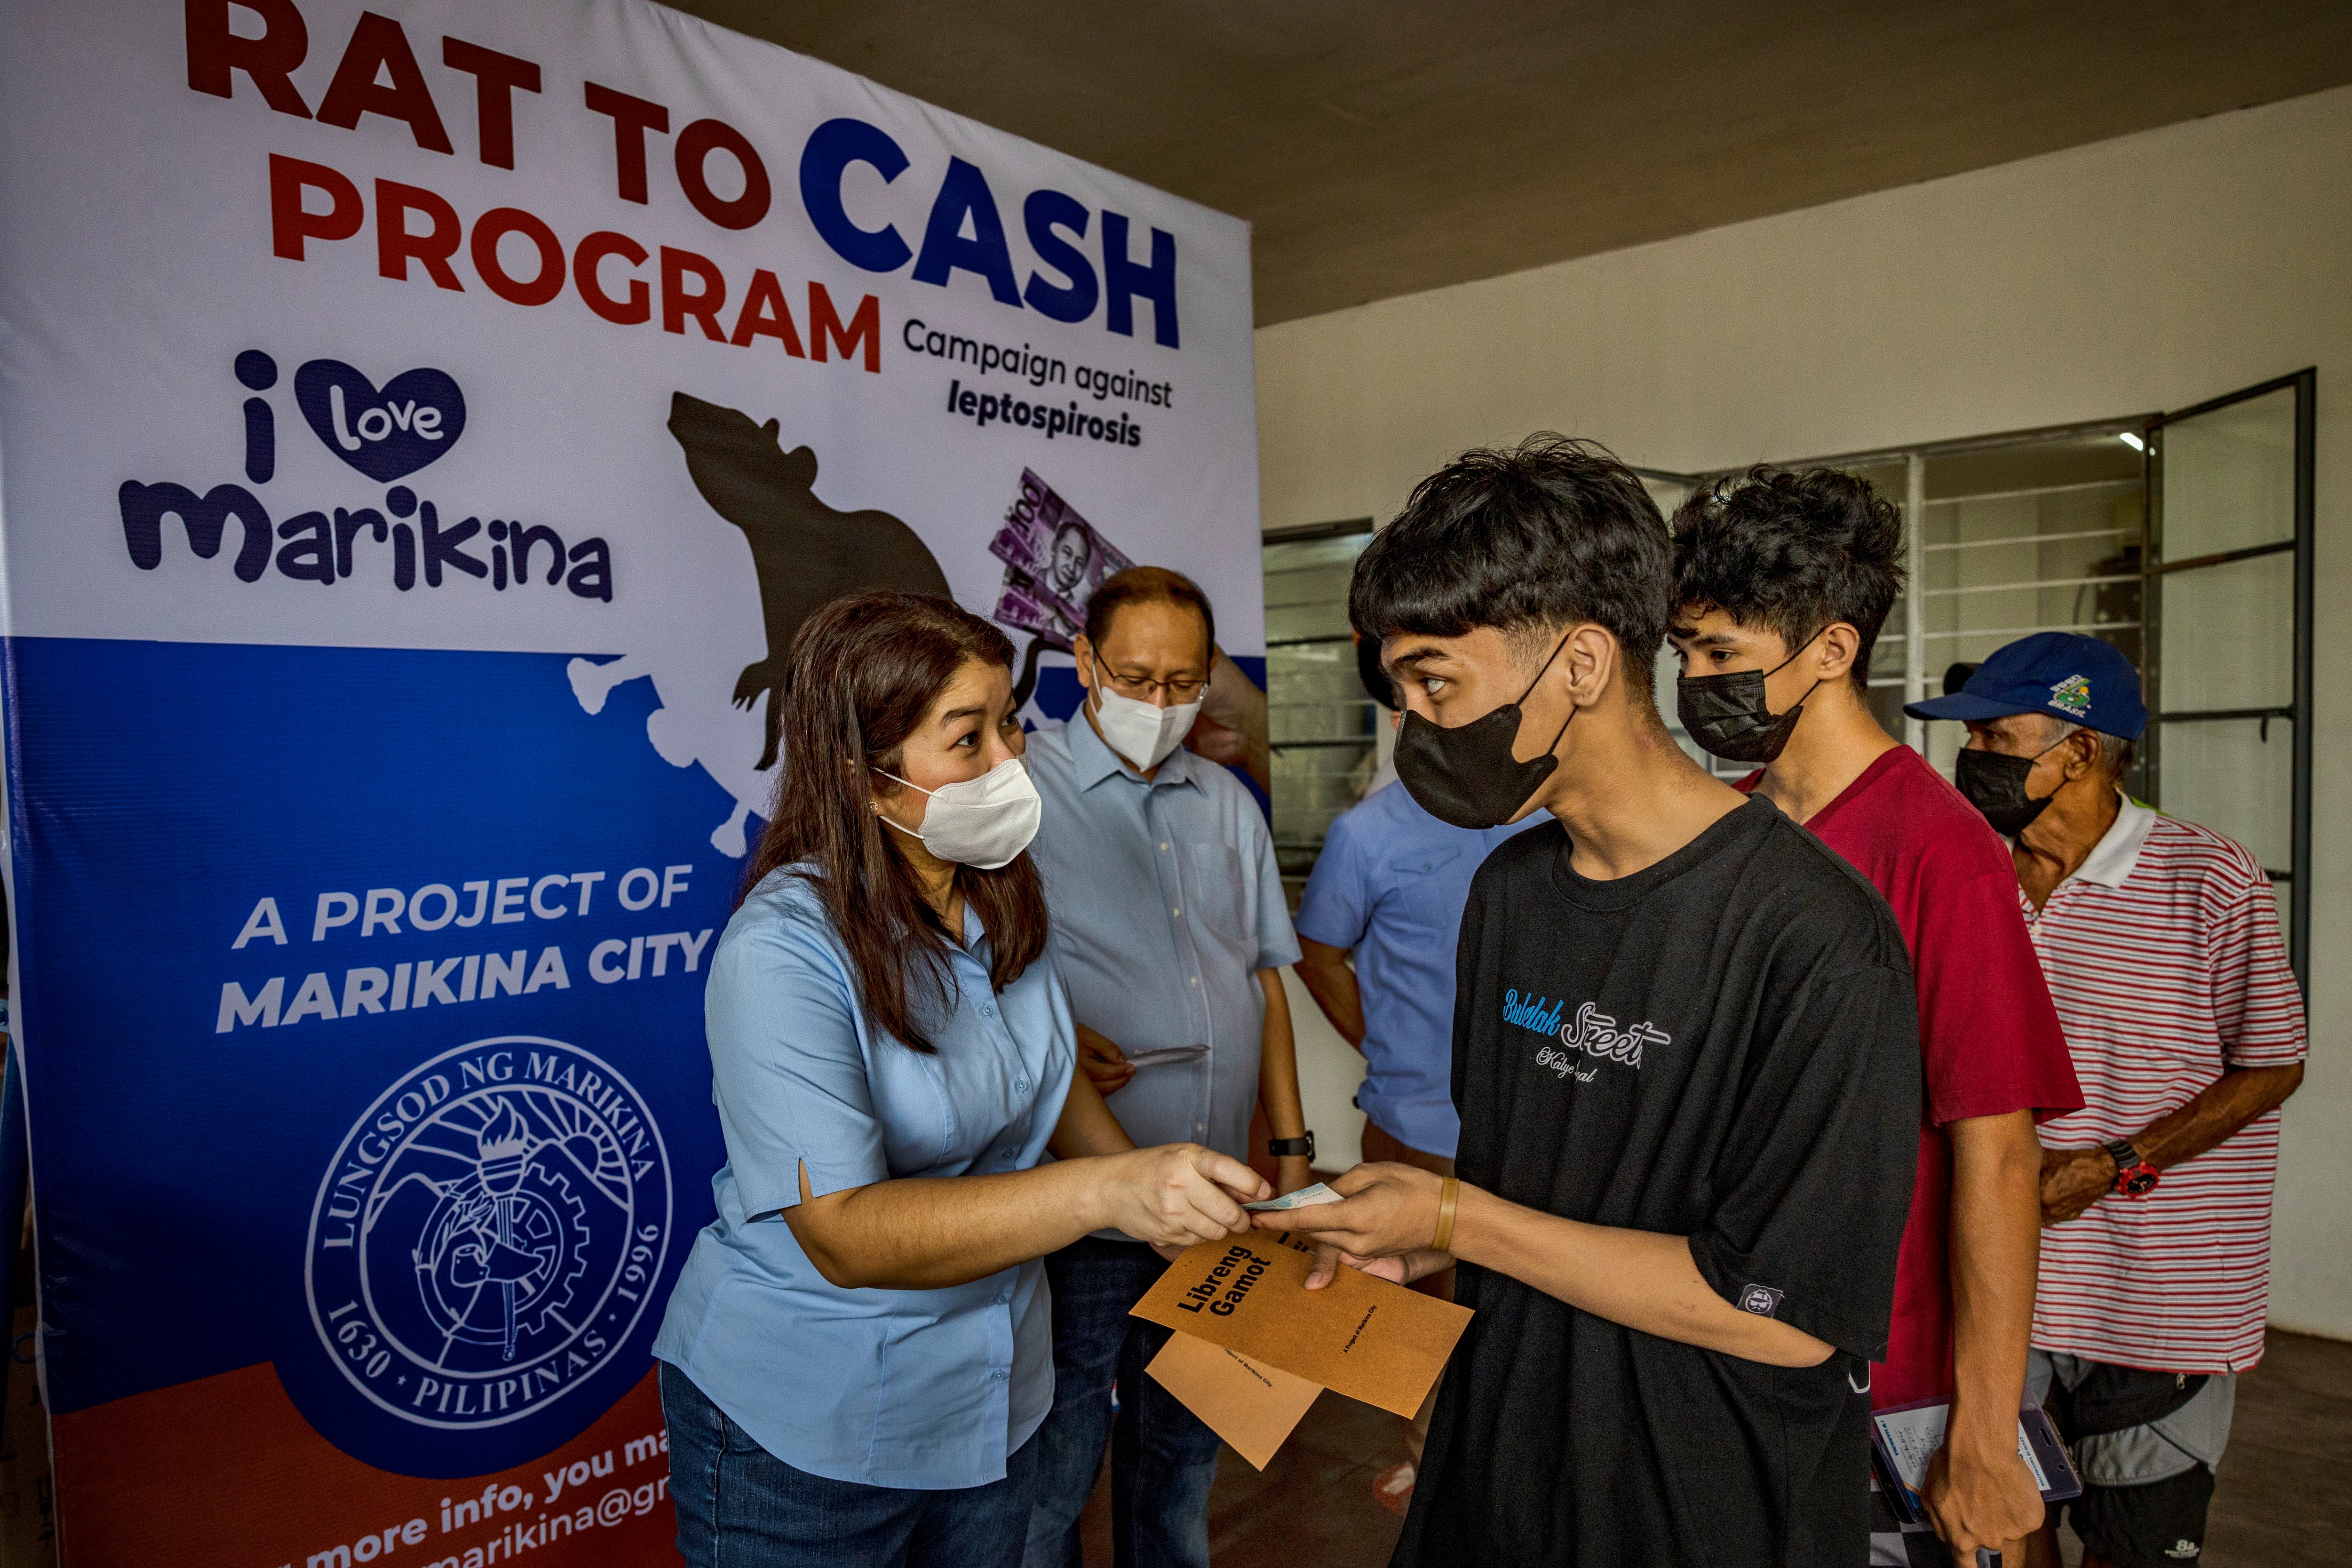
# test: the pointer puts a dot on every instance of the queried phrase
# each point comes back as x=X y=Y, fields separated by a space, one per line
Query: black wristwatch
x=1283 y=1148
x=2134 y=1177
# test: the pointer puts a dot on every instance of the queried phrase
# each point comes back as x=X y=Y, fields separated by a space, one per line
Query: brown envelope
x=1358 y=1336
x=1252 y=1407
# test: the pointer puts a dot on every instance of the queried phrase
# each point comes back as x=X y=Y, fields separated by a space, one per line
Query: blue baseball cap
x=2081 y=680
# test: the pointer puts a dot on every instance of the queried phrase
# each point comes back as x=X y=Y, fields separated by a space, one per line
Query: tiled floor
x=2284 y=1498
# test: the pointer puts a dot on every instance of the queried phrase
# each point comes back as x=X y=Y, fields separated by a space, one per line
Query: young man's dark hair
x=1551 y=530
x=1791 y=554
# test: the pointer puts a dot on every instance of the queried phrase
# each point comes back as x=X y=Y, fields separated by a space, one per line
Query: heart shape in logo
x=415 y=418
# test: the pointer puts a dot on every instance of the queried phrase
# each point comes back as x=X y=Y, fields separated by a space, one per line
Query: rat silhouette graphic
x=805 y=551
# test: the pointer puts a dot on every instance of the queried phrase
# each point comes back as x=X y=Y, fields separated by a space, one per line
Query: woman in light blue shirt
x=860 y=1345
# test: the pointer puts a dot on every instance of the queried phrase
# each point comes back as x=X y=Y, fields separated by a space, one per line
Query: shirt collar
x=1094 y=761
x=2118 y=851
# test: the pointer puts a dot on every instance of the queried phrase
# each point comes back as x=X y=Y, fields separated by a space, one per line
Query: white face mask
x=983 y=823
x=1143 y=732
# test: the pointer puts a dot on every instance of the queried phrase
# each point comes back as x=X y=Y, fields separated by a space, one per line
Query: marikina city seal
x=488 y=1233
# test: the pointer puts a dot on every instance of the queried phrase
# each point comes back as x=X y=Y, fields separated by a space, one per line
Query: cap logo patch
x=2071 y=695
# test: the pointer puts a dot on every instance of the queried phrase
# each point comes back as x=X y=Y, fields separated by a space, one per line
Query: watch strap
x=2134 y=1177
x=1286 y=1148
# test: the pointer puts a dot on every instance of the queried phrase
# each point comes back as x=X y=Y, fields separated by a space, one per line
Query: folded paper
x=1251 y=1406
x=1366 y=1338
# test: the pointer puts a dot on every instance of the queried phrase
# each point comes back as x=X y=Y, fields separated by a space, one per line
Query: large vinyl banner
x=422 y=427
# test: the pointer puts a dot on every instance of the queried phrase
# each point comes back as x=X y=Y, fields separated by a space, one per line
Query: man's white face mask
x=983 y=823
x=1143 y=732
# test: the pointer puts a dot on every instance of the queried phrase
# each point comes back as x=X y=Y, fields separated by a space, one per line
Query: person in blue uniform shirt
x=1170 y=921
x=1377 y=929
x=859 y=1352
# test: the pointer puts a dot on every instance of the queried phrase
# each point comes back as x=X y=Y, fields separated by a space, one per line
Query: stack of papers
x=1254 y=1347
x=1905 y=1438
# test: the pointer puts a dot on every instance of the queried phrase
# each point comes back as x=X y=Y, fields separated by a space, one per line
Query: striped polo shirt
x=2164 y=957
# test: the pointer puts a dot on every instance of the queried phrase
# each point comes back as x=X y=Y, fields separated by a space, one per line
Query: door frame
x=2304 y=383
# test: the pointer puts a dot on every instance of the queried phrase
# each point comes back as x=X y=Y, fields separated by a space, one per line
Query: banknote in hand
x=1305 y=1197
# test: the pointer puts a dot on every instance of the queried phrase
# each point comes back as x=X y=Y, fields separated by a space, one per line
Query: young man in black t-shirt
x=1685 y=1059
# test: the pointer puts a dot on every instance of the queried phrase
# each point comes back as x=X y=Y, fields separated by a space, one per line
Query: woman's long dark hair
x=863 y=671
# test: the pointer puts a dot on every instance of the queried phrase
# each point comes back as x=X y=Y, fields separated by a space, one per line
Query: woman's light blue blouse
x=895 y=1388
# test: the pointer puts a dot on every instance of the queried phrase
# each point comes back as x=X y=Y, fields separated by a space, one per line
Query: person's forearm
x=2221 y=1111
x=1278 y=1070
x=2074 y=1179
x=1324 y=972
x=1996 y=1242
x=1636 y=1277
x=1087 y=1126
x=924 y=1233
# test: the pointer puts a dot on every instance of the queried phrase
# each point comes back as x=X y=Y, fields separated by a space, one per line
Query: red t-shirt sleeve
x=1989 y=1034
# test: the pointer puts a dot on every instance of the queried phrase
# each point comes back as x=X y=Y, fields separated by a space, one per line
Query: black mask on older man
x=1994 y=782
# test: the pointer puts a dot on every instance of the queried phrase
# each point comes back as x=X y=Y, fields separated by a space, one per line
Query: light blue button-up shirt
x=1390 y=883
x=895 y=1388
x=1166 y=903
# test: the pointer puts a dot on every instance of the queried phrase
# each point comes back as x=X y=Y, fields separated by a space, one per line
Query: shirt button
x=1001 y=1300
x=1020 y=1086
x=1194 y=981
x=1179 y=910
x=1163 y=846
x=1000 y=1375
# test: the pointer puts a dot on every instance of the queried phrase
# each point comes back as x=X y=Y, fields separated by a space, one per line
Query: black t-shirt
x=1723 y=1046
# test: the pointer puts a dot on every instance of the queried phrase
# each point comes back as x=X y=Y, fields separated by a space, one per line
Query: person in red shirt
x=1782 y=582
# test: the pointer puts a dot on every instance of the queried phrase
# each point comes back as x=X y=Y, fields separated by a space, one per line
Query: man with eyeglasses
x=1170 y=931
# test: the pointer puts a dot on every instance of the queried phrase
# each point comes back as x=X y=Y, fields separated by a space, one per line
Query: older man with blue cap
x=2160 y=942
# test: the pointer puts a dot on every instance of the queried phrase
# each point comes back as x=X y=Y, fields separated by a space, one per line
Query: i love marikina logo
x=385 y=433
x=414 y=419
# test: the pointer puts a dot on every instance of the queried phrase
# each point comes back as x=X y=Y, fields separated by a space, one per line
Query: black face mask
x=1467 y=775
x=1994 y=782
x=1730 y=716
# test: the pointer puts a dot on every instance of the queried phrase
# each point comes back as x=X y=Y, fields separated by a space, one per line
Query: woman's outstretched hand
x=1177 y=1193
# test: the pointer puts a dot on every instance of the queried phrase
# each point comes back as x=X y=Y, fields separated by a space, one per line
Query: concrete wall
x=2131 y=276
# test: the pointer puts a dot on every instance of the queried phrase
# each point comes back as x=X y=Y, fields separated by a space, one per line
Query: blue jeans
x=739 y=1505
x=1163 y=1460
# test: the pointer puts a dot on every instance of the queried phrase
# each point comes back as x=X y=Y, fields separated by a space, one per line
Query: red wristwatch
x=2134 y=1177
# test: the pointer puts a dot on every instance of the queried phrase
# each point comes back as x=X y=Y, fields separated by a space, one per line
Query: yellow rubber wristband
x=1446 y=1198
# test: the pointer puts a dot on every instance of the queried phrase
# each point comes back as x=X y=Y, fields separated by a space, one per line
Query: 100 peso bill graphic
x=1055 y=560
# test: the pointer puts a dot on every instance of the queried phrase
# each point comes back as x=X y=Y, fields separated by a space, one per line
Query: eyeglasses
x=1180 y=692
